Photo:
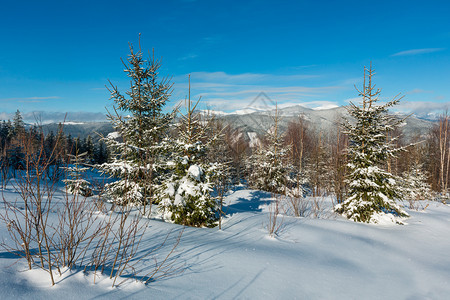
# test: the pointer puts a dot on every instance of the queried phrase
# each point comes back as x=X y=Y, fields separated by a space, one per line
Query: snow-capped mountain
x=324 y=120
x=259 y=121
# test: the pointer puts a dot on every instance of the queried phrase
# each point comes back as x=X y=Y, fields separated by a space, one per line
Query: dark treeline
x=16 y=138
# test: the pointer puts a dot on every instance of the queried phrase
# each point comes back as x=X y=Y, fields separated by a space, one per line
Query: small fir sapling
x=414 y=186
x=269 y=167
x=75 y=183
x=185 y=193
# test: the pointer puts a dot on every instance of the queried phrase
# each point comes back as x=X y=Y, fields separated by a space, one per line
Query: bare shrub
x=116 y=250
x=79 y=238
x=5 y=175
x=416 y=204
x=78 y=226
x=299 y=206
x=319 y=208
x=275 y=224
x=27 y=220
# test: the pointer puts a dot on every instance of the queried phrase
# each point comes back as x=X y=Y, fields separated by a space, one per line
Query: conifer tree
x=16 y=153
x=100 y=153
x=185 y=193
x=49 y=145
x=70 y=145
x=140 y=124
x=414 y=186
x=18 y=124
x=371 y=190
x=75 y=183
x=5 y=136
x=88 y=146
x=269 y=167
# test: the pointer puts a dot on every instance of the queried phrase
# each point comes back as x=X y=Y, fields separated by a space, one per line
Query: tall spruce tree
x=140 y=124
x=371 y=190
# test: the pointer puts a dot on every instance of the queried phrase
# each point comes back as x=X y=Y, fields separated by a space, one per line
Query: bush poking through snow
x=275 y=224
x=299 y=206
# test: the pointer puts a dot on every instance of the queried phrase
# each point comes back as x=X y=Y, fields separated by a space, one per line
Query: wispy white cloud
x=222 y=91
x=287 y=92
x=302 y=67
x=31 y=99
x=351 y=82
x=417 y=51
x=418 y=91
x=422 y=107
x=46 y=117
x=355 y=100
x=188 y=56
x=247 y=78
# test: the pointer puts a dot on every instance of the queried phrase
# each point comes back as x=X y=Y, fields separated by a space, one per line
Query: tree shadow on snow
x=15 y=254
x=252 y=203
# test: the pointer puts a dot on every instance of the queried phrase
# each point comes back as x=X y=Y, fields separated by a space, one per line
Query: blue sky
x=57 y=56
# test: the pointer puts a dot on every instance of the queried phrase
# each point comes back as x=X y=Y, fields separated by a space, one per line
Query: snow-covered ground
x=310 y=258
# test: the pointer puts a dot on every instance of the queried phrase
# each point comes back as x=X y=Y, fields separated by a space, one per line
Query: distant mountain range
x=259 y=122
x=81 y=129
x=320 y=120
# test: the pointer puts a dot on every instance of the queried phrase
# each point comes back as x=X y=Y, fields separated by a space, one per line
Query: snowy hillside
x=311 y=258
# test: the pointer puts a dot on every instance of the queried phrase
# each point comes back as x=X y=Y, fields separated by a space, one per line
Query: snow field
x=331 y=258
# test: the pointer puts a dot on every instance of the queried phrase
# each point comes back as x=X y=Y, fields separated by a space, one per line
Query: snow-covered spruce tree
x=221 y=155
x=140 y=125
x=371 y=190
x=414 y=186
x=185 y=193
x=75 y=183
x=269 y=167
